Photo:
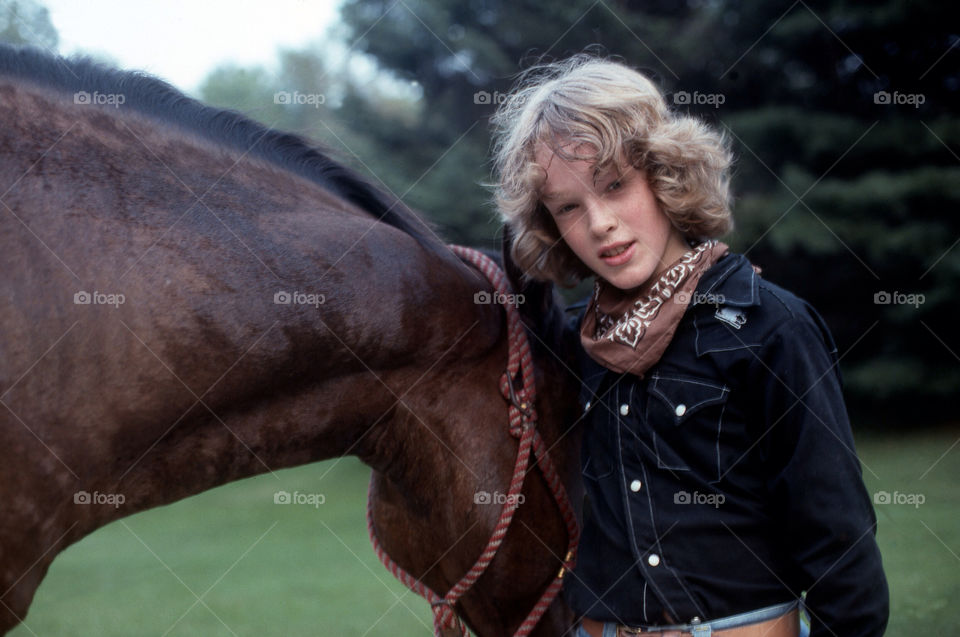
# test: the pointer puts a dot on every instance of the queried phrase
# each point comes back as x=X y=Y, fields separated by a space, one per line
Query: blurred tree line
x=841 y=113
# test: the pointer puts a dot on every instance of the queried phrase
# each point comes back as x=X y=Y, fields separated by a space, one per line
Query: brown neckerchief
x=629 y=333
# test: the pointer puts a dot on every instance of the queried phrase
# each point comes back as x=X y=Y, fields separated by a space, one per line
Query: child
x=723 y=489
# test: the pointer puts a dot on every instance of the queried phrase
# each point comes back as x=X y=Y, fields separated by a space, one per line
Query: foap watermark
x=85 y=497
x=297 y=98
x=486 y=97
x=696 y=298
x=898 y=298
x=282 y=297
x=912 y=499
x=312 y=499
x=710 y=499
x=899 y=99
x=100 y=99
x=485 y=497
x=82 y=297
x=699 y=99
x=498 y=298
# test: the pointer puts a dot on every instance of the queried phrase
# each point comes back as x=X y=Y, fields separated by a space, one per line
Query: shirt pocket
x=595 y=468
x=685 y=416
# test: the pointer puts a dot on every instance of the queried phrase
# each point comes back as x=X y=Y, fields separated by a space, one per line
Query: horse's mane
x=154 y=97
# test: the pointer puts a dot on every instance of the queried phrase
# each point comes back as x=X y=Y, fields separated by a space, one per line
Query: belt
x=786 y=624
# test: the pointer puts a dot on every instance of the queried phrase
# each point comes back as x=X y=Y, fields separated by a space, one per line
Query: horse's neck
x=321 y=390
x=442 y=472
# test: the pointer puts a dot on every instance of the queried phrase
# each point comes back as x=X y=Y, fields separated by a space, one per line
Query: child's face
x=611 y=220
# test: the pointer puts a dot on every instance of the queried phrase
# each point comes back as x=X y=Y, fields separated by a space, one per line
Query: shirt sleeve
x=819 y=501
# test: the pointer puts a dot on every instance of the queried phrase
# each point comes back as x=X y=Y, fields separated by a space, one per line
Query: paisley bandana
x=630 y=333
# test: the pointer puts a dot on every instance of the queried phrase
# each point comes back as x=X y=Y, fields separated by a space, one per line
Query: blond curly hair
x=623 y=116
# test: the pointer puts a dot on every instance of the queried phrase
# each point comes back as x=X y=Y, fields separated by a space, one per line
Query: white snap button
x=653 y=560
x=681 y=409
x=624 y=409
x=587 y=406
x=635 y=485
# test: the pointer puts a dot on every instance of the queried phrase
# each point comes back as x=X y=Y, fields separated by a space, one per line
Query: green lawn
x=920 y=542
x=270 y=569
x=260 y=568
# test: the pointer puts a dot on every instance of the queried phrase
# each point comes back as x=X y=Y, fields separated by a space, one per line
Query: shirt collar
x=733 y=279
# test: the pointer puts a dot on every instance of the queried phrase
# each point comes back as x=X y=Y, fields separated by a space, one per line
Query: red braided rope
x=523 y=418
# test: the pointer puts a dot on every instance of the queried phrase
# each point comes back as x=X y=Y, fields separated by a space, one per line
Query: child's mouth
x=618 y=254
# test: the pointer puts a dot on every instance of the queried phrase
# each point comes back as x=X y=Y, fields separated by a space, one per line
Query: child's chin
x=627 y=281
x=625 y=285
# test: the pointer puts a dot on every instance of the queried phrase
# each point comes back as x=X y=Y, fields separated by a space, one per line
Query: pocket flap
x=684 y=397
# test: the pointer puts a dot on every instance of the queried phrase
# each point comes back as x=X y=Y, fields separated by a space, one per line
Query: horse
x=190 y=297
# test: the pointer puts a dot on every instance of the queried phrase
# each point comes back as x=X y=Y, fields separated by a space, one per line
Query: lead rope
x=523 y=417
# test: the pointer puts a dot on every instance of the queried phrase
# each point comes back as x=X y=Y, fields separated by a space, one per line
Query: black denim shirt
x=725 y=479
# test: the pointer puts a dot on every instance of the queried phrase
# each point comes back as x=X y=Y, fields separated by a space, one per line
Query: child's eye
x=566 y=208
x=615 y=185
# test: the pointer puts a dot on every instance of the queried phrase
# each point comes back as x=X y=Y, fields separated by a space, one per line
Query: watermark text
x=82 y=297
x=100 y=99
x=287 y=98
x=312 y=499
x=498 y=298
x=898 y=298
x=282 y=297
x=897 y=98
x=711 y=499
x=485 y=497
x=699 y=99
x=113 y=499
x=912 y=499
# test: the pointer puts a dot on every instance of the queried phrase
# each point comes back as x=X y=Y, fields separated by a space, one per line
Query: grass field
x=920 y=543
x=265 y=569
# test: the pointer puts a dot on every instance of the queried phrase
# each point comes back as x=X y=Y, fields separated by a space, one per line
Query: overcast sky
x=183 y=40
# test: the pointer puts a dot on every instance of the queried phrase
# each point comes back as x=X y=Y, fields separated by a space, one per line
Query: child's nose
x=603 y=220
